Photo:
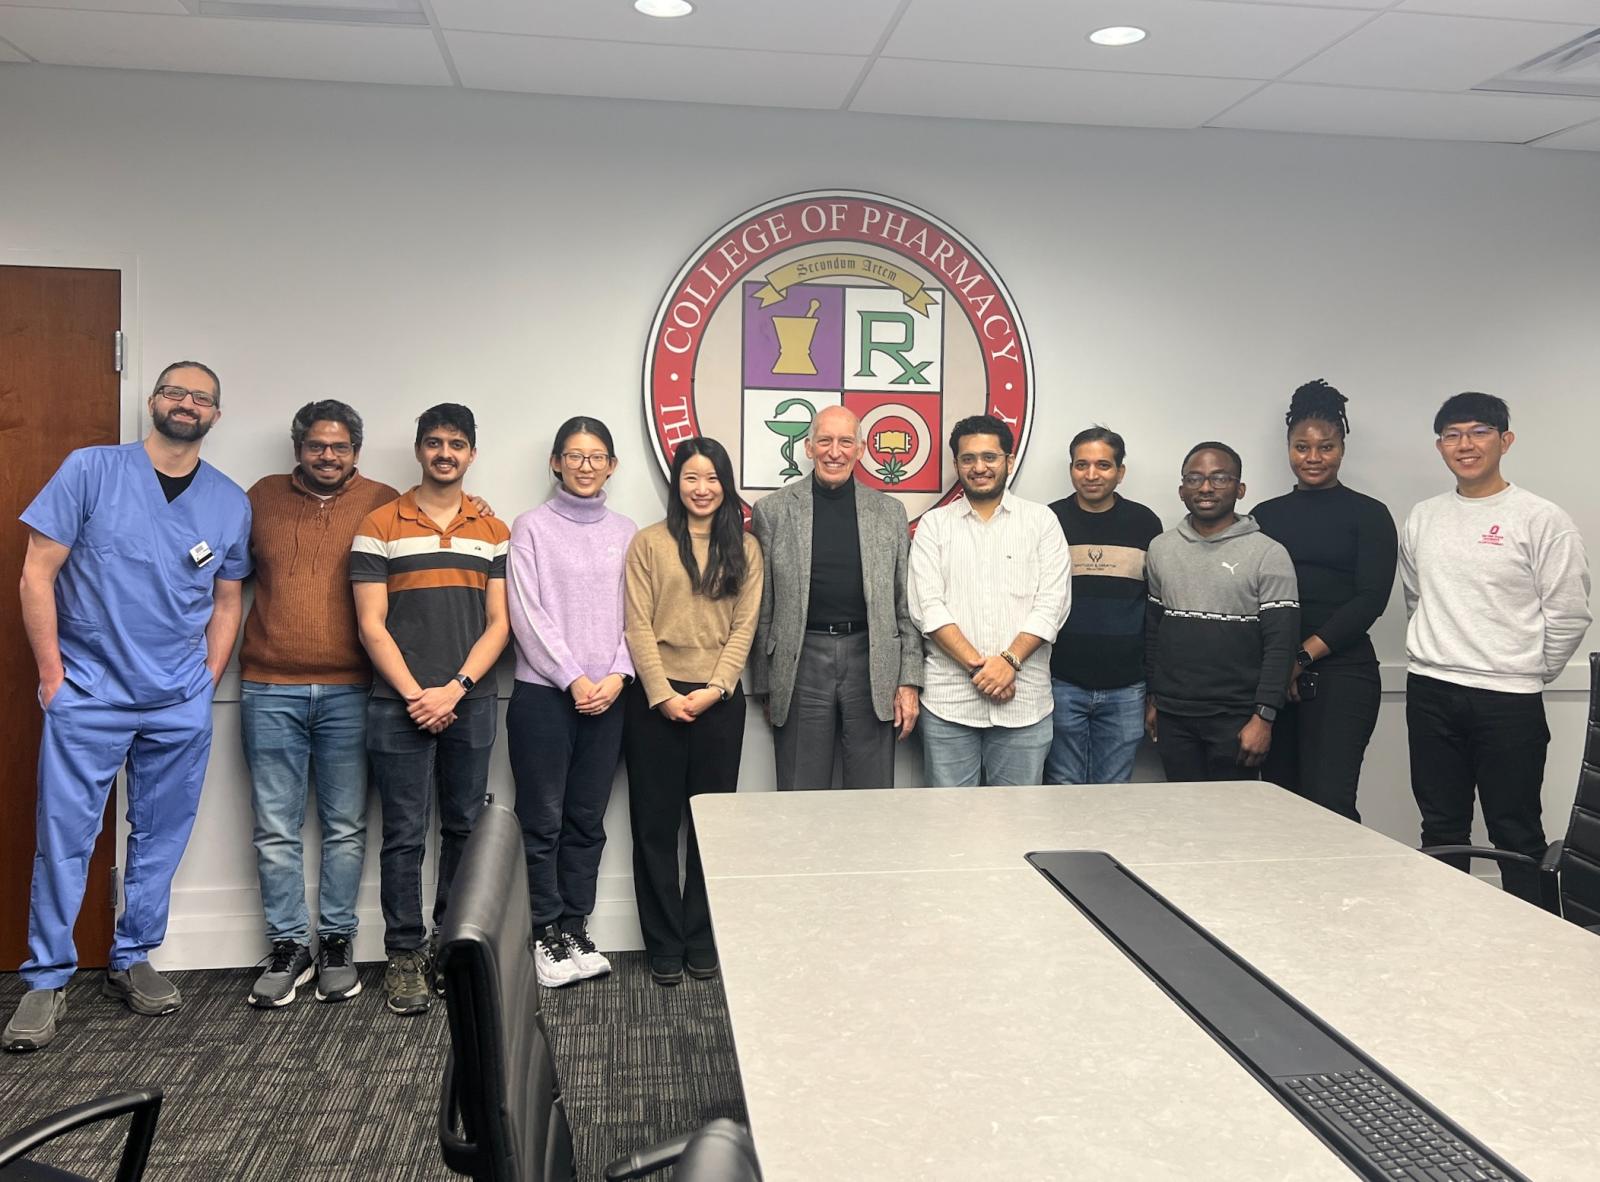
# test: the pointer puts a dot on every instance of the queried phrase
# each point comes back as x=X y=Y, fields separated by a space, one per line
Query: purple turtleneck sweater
x=564 y=588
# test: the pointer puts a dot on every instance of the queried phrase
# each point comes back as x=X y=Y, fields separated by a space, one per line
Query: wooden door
x=59 y=390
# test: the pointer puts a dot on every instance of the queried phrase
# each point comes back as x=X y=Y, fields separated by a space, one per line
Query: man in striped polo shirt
x=429 y=576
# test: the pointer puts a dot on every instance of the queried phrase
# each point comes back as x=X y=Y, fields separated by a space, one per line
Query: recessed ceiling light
x=664 y=8
x=1117 y=35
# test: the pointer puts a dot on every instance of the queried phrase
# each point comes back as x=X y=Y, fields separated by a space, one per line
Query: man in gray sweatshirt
x=1497 y=588
x=1221 y=628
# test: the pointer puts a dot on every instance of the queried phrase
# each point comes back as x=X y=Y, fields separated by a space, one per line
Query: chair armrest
x=144 y=1105
x=647 y=1161
x=1551 y=862
x=460 y=1155
x=1480 y=851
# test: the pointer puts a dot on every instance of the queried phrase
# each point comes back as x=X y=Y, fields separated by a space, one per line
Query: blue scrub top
x=131 y=605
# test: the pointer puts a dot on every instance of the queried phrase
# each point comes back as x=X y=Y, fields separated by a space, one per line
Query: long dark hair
x=724 y=571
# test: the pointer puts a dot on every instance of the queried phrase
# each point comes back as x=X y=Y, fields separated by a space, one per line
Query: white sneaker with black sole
x=552 y=963
x=590 y=961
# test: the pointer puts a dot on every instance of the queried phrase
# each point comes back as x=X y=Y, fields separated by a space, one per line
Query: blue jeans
x=1097 y=734
x=294 y=736
x=957 y=756
x=404 y=762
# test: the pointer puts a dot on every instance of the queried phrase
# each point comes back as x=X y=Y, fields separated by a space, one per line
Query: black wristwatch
x=1303 y=658
x=466 y=682
x=1267 y=713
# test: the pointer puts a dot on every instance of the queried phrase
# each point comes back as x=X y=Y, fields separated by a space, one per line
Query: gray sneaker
x=336 y=970
x=34 y=1023
x=143 y=989
x=288 y=968
x=405 y=983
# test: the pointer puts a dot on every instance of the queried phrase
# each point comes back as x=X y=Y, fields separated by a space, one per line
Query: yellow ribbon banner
x=853 y=266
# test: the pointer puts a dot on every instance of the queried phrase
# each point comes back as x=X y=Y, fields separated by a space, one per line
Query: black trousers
x=1318 y=746
x=668 y=762
x=563 y=763
x=1205 y=748
x=1463 y=738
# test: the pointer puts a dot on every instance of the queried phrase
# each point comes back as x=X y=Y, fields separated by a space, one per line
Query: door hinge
x=119 y=350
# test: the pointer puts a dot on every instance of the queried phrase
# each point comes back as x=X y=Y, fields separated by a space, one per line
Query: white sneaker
x=552 y=964
x=589 y=960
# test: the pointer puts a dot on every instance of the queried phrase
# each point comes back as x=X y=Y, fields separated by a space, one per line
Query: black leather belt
x=844 y=629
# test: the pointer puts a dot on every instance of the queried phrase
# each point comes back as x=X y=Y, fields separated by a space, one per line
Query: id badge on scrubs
x=200 y=554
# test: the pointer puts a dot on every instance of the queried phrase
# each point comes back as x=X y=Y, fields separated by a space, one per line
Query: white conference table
x=911 y=1000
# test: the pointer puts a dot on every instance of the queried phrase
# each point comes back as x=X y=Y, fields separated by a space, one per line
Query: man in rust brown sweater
x=303 y=700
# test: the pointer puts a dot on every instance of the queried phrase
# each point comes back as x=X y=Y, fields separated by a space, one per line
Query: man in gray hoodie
x=1221 y=628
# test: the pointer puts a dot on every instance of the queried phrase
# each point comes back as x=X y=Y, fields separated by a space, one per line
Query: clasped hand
x=690 y=706
x=435 y=709
x=994 y=678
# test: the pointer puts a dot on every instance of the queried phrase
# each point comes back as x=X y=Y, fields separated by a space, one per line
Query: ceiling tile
x=961 y=90
x=611 y=69
x=1218 y=40
x=1370 y=5
x=816 y=26
x=1584 y=138
x=1408 y=114
x=160 y=7
x=191 y=44
x=1413 y=52
x=8 y=54
x=1577 y=11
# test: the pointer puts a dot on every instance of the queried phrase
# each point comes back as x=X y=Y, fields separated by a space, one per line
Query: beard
x=179 y=430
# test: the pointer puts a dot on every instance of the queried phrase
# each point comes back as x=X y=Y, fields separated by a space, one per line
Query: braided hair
x=1320 y=401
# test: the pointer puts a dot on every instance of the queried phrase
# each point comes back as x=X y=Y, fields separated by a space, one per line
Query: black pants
x=1204 y=748
x=1461 y=738
x=563 y=763
x=1318 y=745
x=668 y=762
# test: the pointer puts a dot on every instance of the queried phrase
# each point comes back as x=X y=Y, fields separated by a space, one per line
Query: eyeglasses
x=178 y=394
x=1475 y=434
x=1214 y=479
x=987 y=458
x=341 y=450
x=575 y=460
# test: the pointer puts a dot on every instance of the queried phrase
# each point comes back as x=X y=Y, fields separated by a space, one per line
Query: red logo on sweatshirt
x=1492 y=538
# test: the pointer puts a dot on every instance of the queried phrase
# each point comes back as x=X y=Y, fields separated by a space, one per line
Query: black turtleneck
x=837 y=596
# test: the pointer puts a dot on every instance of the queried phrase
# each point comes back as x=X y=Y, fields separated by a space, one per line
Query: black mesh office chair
x=501 y=1118
x=1569 y=871
x=719 y=1152
x=144 y=1107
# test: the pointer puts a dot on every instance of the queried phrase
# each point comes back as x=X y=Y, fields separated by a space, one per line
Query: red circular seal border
x=846 y=216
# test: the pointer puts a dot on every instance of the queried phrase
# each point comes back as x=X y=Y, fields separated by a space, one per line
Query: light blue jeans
x=294 y=736
x=1097 y=734
x=957 y=756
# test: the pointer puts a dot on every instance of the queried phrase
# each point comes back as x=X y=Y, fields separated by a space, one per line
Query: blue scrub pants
x=86 y=742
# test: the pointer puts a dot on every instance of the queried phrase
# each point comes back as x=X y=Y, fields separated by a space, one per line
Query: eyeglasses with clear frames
x=178 y=394
x=1214 y=479
x=1479 y=434
x=575 y=460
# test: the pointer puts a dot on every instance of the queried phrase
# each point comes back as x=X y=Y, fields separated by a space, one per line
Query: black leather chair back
x=720 y=1152
x=500 y=1081
x=1580 y=853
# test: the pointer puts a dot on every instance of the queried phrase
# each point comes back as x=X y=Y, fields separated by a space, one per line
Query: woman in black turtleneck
x=1344 y=550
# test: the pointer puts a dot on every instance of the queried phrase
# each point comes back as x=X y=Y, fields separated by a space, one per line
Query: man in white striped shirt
x=990 y=587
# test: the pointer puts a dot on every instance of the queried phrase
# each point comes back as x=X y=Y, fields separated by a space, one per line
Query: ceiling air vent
x=343 y=12
x=1573 y=69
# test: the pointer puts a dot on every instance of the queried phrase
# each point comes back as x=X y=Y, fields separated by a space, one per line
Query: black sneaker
x=337 y=979
x=288 y=967
x=701 y=963
x=666 y=970
x=405 y=983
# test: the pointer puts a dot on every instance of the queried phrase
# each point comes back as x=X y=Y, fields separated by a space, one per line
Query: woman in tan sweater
x=692 y=594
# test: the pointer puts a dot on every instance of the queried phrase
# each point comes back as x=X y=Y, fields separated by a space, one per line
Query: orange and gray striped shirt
x=438 y=582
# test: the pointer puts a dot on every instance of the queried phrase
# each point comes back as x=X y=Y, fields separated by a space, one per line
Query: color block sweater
x=1222 y=622
x=302 y=624
x=564 y=590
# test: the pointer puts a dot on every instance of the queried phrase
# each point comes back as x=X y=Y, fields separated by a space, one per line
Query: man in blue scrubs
x=131 y=601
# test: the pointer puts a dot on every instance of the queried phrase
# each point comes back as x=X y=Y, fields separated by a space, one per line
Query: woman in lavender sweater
x=563 y=726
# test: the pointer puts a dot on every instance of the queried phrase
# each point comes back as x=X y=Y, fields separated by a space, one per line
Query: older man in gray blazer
x=835 y=648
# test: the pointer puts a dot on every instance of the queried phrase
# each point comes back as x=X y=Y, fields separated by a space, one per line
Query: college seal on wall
x=836 y=298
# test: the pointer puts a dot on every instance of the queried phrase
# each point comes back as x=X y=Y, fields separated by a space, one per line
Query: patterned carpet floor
x=314 y=1093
